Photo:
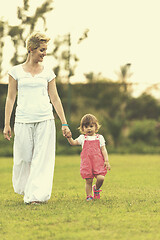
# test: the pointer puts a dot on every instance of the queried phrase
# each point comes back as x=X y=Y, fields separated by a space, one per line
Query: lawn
x=129 y=208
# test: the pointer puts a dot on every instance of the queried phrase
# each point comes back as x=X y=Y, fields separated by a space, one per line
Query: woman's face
x=39 y=53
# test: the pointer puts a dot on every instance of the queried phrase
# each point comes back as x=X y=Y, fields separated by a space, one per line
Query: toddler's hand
x=107 y=165
x=69 y=135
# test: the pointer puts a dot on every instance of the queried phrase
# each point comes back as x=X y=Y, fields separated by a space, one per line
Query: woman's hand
x=66 y=132
x=7 y=133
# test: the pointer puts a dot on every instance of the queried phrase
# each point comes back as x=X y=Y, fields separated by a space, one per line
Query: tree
x=66 y=61
x=27 y=25
x=115 y=126
x=92 y=77
x=3 y=26
x=143 y=107
x=63 y=56
x=123 y=75
x=144 y=131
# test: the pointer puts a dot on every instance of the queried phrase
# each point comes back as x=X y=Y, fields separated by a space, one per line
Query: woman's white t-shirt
x=81 y=139
x=33 y=102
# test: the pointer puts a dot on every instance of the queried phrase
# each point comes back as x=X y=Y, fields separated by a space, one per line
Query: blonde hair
x=87 y=120
x=35 y=39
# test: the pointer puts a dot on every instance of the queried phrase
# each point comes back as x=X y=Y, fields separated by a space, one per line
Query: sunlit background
x=120 y=32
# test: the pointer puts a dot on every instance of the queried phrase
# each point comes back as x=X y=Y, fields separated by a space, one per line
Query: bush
x=144 y=131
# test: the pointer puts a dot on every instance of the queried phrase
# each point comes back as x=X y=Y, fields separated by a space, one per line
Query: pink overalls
x=92 y=162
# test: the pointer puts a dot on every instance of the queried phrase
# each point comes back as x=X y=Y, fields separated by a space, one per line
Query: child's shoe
x=96 y=192
x=89 y=198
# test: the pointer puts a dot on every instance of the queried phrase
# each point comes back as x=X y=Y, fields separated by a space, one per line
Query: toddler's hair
x=87 y=120
x=35 y=39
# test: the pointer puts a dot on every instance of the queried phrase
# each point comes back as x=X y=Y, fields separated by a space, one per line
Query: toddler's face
x=90 y=129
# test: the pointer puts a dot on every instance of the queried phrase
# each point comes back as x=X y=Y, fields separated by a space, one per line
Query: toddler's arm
x=105 y=156
x=72 y=141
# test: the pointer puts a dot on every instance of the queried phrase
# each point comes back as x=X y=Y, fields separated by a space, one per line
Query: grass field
x=129 y=208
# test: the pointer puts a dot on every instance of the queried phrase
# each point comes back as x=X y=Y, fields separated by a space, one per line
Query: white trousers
x=34 y=160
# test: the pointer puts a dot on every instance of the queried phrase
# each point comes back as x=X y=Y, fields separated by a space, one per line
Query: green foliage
x=115 y=126
x=6 y=147
x=2 y=32
x=144 y=131
x=61 y=52
x=27 y=25
x=3 y=94
x=93 y=77
x=20 y=32
x=110 y=101
x=129 y=207
x=106 y=101
x=123 y=75
x=66 y=61
x=25 y=18
x=143 y=107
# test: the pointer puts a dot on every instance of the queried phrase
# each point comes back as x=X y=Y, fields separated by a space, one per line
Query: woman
x=34 y=142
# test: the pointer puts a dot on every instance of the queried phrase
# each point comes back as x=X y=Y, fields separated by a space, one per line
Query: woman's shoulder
x=14 y=71
x=48 y=73
x=16 y=66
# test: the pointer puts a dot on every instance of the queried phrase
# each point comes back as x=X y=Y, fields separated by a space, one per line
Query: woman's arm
x=55 y=100
x=10 y=100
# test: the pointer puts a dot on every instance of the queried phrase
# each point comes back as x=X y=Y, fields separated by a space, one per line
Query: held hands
x=107 y=165
x=7 y=133
x=66 y=132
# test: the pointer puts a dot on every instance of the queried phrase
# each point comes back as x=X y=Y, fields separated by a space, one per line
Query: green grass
x=129 y=208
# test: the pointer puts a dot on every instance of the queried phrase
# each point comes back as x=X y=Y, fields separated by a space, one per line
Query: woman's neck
x=31 y=66
x=29 y=62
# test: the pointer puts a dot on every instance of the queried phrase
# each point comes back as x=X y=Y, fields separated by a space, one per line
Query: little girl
x=94 y=156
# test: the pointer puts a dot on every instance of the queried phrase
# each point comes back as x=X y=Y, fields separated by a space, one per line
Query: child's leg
x=89 y=186
x=96 y=187
x=99 y=182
